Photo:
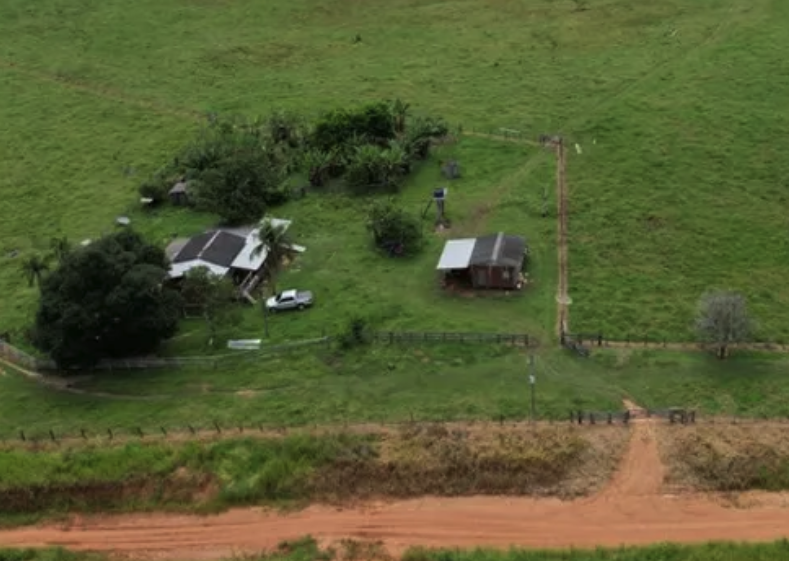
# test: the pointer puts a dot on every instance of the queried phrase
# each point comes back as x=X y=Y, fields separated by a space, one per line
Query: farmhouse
x=493 y=261
x=224 y=251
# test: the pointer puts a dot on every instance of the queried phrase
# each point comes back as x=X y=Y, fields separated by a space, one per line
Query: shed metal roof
x=456 y=254
x=492 y=250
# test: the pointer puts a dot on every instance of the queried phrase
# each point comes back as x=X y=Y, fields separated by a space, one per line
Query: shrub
x=373 y=122
x=156 y=189
x=393 y=229
x=377 y=169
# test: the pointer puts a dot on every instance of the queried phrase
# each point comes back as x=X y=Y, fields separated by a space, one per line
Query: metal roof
x=456 y=254
x=492 y=250
x=499 y=249
x=177 y=270
x=247 y=259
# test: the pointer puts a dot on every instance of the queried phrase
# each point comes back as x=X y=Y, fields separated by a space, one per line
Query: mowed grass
x=681 y=187
x=392 y=384
x=351 y=279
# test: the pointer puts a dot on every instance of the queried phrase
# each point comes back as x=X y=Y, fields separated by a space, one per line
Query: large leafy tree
x=274 y=240
x=106 y=300
x=241 y=185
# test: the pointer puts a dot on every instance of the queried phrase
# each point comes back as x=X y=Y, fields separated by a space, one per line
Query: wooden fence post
x=216 y=425
x=22 y=436
x=82 y=432
x=164 y=432
x=599 y=339
x=109 y=433
x=140 y=433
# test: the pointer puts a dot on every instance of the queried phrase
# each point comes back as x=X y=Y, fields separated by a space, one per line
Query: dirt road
x=630 y=510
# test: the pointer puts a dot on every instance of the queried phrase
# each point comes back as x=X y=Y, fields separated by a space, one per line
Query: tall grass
x=144 y=476
x=302 y=467
x=727 y=457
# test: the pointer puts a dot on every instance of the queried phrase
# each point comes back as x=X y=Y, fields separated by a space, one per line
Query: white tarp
x=456 y=254
x=244 y=344
x=177 y=270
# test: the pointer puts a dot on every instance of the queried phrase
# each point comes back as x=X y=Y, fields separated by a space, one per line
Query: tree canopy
x=394 y=229
x=106 y=300
x=723 y=320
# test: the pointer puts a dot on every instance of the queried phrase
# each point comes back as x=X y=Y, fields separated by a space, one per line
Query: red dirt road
x=630 y=511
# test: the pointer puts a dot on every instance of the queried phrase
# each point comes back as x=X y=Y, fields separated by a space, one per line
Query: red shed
x=493 y=261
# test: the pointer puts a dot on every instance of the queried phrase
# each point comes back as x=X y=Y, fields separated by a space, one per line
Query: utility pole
x=532 y=380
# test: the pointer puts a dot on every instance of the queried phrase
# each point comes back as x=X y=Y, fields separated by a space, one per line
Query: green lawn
x=681 y=186
x=679 y=109
x=98 y=96
x=383 y=384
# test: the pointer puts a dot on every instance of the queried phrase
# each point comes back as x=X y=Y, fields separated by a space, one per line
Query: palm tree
x=34 y=268
x=399 y=113
x=272 y=238
x=60 y=247
x=318 y=164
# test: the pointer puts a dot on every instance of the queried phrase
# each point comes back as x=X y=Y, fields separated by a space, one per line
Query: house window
x=506 y=275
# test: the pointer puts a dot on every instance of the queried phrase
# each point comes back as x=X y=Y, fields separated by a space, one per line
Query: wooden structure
x=493 y=261
x=179 y=194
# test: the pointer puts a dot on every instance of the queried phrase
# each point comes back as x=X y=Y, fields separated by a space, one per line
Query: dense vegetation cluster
x=238 y=169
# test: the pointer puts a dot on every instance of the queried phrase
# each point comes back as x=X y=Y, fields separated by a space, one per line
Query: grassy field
x=681 y=184
x=669 y=101
x=100 y=96
x=384 y=384
x=307 y=549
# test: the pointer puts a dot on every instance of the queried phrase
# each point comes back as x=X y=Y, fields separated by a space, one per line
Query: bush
x=373 y=123
x=156 y=189
x=377 y=169
x=394 y=230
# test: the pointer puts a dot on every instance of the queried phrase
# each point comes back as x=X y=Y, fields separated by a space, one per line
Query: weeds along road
x=629 y=511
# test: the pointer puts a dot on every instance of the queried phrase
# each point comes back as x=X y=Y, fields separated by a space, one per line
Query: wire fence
x=230 y=429
x=591 y=339
x=26 y=361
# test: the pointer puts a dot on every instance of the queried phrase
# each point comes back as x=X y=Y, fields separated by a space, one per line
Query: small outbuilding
x=493 y=261
x=179 y=194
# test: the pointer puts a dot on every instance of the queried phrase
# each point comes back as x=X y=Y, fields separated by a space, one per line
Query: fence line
x=653 y=342
x=24 y=360
x=462 y=337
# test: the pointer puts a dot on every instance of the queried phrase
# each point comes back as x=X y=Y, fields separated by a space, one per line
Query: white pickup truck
x=289 y=300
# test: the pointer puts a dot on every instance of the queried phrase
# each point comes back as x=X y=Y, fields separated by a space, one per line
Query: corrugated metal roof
x=246 y=259
x=223 y=249
x=495 y=249
x=456 y=254
x=177 y=270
